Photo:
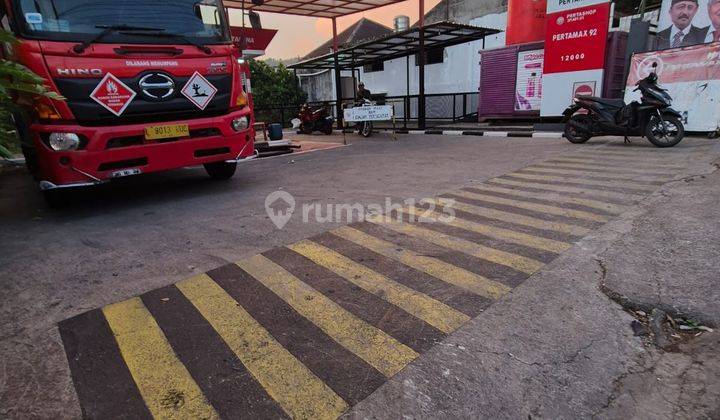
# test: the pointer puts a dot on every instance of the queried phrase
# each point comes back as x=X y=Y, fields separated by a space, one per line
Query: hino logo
x=157 y=86
x=80 y=72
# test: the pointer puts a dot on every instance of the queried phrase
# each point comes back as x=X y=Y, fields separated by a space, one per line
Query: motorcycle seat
x=613 y=103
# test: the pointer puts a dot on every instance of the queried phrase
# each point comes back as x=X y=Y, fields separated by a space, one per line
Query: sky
x=299 y=35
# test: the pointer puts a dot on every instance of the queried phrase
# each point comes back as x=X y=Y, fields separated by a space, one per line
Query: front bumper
x=104 y=158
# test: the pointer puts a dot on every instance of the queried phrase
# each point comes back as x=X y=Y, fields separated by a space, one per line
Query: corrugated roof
x=315 y=8
x=362 y=30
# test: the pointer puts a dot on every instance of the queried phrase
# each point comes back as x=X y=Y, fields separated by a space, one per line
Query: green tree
x=273 y=88
x=15 y=78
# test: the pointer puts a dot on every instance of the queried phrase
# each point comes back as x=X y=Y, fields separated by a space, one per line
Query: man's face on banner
x=714 y=12
x=682 y=13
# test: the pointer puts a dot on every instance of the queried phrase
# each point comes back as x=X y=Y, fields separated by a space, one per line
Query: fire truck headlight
x=240 y=124
x=63 y=142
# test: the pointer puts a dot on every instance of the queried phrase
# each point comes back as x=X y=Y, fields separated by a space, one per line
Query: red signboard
x=526 y=21
x=249 y=39
x=113 y=94
x=691 y=64
x=576 y=39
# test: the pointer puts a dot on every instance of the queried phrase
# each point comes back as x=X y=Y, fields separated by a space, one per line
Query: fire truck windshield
x=202 y=22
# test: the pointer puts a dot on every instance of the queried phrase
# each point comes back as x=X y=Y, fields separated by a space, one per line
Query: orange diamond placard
x=113 y=94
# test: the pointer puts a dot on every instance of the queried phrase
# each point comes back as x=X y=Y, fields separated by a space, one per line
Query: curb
x=515 y=134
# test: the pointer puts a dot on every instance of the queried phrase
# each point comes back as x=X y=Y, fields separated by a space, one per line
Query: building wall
x=460 y=69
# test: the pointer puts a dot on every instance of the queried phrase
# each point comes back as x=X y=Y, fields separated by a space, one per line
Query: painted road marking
x=572 y=190
x=507 y=235
x=554 y=197
x=518 y=219
x=625 y=185
x=164 y=383
x=655 y=180
x=383 y=352
x=599 y=168
x=517 y=262
x=540 y=208
x=298 y=391
x=439 y=269
x=310 y=330
x=435 y=313
x=599 y=161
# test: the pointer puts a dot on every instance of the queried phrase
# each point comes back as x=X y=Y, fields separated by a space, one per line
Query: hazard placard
x=113 y=94
x=199 y=91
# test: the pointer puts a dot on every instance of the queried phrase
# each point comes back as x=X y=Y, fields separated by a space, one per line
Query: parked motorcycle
x=652 y=117
x=312 y=120
x=365 y=128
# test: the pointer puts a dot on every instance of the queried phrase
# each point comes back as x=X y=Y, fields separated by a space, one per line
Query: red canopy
x=314 y=8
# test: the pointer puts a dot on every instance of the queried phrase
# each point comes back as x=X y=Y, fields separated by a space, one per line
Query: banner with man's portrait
x=684 y=23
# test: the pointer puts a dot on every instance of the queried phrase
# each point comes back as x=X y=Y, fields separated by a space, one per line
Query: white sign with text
x=369 y=113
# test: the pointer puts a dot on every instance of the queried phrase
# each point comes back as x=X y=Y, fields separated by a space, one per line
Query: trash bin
x=275 y=132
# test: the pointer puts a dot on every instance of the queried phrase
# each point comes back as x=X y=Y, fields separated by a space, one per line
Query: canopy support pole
x=338 y=78
x=421 y=75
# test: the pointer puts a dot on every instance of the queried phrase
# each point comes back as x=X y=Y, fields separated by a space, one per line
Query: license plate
x=166 y=131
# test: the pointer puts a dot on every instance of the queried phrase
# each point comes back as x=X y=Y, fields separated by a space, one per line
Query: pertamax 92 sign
x=575 y=44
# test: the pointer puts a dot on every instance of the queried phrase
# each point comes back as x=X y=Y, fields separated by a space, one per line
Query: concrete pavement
x=555 y=340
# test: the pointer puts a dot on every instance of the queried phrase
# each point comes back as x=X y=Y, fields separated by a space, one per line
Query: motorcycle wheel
x=366 y=129
x=306 y=129
x=327 y=129
x=665 y=132
x=574 y=135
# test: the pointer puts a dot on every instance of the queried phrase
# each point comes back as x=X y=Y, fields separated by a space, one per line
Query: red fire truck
x=148 y=85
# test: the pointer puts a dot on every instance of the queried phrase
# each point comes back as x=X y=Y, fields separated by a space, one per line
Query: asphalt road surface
x=172 y=295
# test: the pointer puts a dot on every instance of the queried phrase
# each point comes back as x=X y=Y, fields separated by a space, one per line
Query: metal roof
x=314 y=8
x=396 y=45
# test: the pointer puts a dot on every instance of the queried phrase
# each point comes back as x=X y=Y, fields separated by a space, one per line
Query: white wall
x=459 y=71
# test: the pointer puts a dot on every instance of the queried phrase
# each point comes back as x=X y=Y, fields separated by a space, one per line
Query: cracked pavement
x=556 y=347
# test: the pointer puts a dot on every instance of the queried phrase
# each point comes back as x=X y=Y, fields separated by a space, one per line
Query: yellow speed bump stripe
x=623 y=158
x=580 y=173
x=439 y=269
x=541 y=208
x=437 y=314
x=617 y=184
x=501 y=234
x=602 y=169
x=558 y=198
x=163 y=381
x=381 y=351
x=564 y=189
x=517 y=262
x=295 y=388
x=519 y=219
x=599 y=161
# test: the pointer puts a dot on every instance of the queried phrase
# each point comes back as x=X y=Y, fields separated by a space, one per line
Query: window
x=374 y=67
x=434 y=56
x=157 y=21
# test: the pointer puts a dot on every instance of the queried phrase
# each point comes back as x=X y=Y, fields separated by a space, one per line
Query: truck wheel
x=56 y=198
x=221 y=170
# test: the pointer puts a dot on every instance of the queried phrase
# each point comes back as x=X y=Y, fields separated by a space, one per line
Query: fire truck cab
x=148 y=85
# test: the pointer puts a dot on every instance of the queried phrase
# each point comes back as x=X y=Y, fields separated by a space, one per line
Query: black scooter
x=652 y=117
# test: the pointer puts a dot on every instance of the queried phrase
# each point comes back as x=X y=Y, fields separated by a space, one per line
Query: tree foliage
x=16 y=79
x=274 y=87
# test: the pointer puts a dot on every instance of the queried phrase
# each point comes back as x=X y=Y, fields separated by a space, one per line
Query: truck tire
x=221 y=171
x=56 y=198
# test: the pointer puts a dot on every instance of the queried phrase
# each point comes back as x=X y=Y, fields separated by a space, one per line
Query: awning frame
x=312 y=8
x=397 y=45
